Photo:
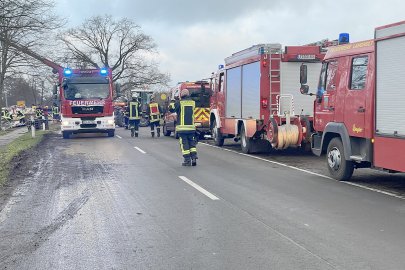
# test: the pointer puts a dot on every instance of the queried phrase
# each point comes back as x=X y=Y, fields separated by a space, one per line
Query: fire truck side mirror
x=55 y=90
x=304 y=89
x=303 y=74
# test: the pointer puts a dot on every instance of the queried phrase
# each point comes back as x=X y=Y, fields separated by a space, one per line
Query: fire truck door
x=326 y=95
x=355 y=98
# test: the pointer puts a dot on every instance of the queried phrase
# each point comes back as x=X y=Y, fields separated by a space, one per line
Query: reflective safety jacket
x=185 y=115
x=5 y=114
x=55 y=110
x=39 y=113
x=154 y=112
x=134 y=110
x=20 y=115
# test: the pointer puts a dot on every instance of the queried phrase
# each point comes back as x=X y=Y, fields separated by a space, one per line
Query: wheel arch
x=333 y=130
x=214 y=118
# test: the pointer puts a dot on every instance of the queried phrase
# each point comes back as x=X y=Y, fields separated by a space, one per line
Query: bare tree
x=118 y=44
x=25 y=22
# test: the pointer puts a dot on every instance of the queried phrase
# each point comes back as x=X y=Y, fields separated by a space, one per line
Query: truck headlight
x=110 y=121
x=65 y=123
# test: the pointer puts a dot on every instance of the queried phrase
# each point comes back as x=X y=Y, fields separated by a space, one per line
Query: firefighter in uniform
x=134 y=117
x=6 y=115
x=55 y=112
x=154 y=111
x=21 y=116
x=39 y=113
x=125 y=114
x=186 y=129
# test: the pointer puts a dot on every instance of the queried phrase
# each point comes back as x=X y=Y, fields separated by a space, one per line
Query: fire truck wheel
x=66 y=135
x=217 y=136
x=165 y=131
x=245 y=142
x=340 y=168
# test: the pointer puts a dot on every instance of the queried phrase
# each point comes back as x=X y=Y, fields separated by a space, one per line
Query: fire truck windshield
x=74 y=91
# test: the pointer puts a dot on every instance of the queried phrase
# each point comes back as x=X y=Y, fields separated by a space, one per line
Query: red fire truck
x=359 y=110
x=85 y=96
x=86 y=101
x=200 y=92
x=254 y=97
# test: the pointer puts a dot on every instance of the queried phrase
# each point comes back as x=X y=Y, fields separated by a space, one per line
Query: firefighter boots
x=194 y=161
x=158 y=132
x=186 y=162
x=153 y=134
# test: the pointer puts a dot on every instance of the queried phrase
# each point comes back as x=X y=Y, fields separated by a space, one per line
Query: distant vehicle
x=200 y=92
x=359 y=110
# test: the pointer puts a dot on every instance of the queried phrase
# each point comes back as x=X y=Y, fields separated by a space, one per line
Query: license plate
x=88 y=122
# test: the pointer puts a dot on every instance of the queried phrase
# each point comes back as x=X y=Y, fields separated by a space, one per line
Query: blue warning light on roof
x=67 y=72
x=103 y=71
x=344 y=38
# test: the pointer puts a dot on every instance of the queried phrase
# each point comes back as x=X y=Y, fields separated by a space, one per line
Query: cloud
x=193 y=37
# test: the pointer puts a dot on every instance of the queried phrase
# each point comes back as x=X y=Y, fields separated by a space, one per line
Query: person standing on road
x=134 y=118
x=185 y=128
x=154 y=111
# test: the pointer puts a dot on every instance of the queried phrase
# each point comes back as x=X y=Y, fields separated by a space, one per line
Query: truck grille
x=88 y=125
x=87 y=109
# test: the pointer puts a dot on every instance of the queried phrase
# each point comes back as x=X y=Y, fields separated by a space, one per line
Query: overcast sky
x=194 y=37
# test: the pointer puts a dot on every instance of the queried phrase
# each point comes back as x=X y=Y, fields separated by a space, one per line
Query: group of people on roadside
x=185 y=128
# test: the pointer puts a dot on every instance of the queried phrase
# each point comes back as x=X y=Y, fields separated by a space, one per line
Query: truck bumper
x=202 y=127
x=79 y=125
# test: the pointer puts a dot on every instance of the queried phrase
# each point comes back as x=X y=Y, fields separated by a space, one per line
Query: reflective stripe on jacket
x=185 y=118
x=154 y=112
x=134 y=110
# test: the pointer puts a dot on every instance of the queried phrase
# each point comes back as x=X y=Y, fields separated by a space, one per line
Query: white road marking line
x=140 y=150
x=373 y=189
x=200 y=189
x=313 y=173
x=118 y=136
x=270 y=161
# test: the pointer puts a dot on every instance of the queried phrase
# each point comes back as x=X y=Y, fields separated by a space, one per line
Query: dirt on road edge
x=17 y=161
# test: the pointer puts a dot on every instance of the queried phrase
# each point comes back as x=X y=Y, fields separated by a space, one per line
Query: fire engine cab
x=359 y=110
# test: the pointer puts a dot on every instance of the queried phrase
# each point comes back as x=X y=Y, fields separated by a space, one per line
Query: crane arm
x=55 y=67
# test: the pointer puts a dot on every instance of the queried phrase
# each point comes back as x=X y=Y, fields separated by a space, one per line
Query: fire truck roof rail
x=269 y=48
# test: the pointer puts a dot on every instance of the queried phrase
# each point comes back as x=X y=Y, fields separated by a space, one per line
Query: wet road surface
x=94 y=202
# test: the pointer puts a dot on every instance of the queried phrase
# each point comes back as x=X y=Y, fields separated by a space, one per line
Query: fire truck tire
x=217 y=135
x=66 y=135
x=111 y=133
x=165 y=131
x=245 y=142
x=340 y=168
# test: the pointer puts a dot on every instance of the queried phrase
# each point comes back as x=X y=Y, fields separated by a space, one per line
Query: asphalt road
x=94 y=202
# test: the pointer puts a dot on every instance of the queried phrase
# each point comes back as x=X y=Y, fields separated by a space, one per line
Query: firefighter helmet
x=184 y=93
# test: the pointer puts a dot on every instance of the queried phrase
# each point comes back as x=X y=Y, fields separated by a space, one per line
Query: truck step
x=356 y=158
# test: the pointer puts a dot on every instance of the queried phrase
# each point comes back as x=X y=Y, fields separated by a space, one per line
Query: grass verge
x=15 y=148
x=4 y=132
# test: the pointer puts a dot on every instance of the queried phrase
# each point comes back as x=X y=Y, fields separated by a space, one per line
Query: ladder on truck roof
x=258 y=49
x=275 y=80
